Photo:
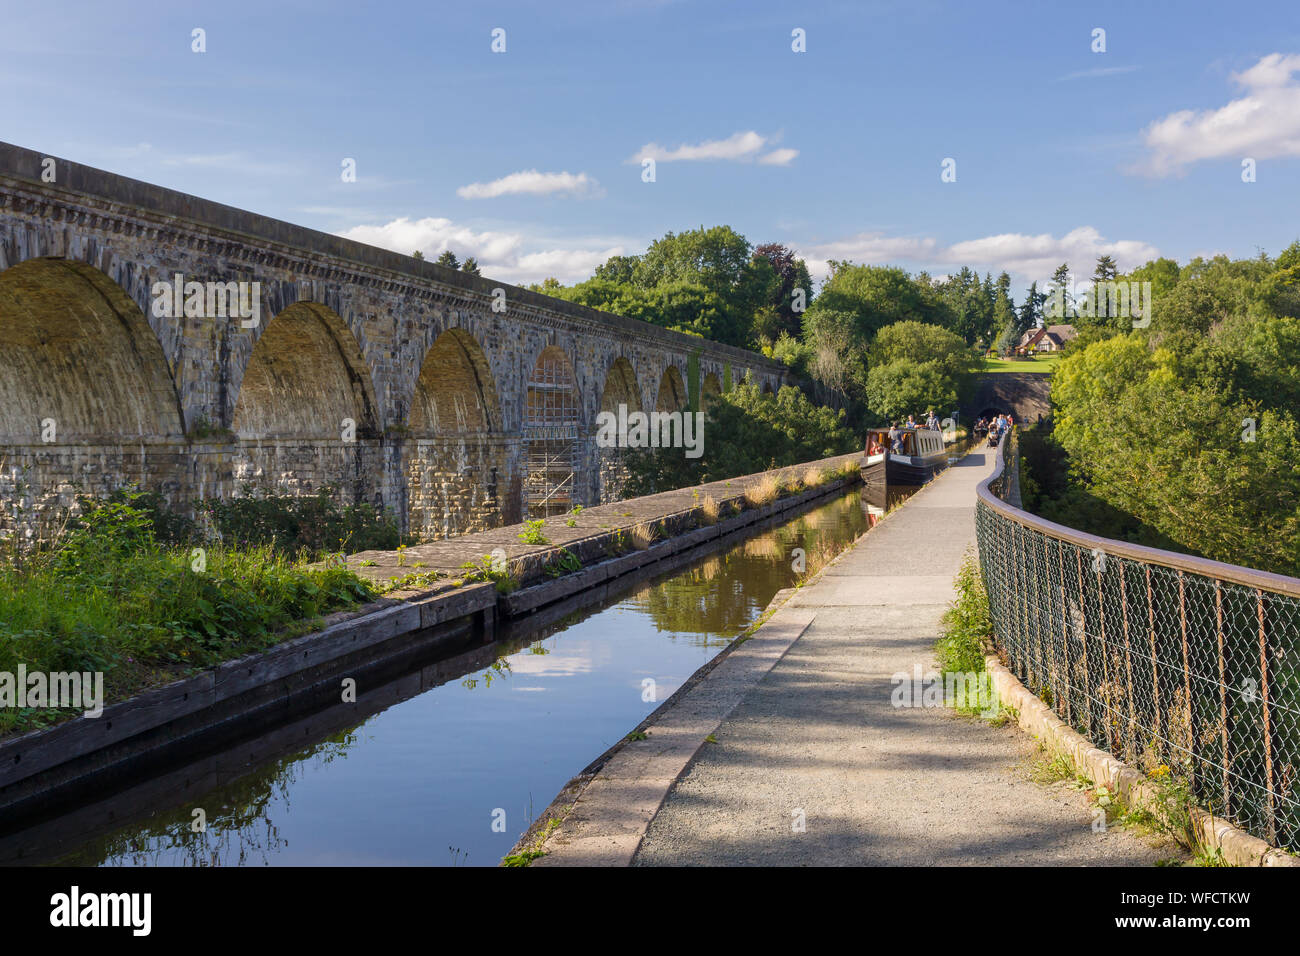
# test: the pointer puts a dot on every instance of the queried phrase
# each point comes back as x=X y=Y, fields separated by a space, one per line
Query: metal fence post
x=1130 y=743
x=1223 y=697
x=1105 y=667
x=1270 y=820
x=1083 y=637
x=1065 y=633
x=1155 y=666
x=1187 y=684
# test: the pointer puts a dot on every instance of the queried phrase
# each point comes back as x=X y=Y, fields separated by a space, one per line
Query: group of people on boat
x=894 y=440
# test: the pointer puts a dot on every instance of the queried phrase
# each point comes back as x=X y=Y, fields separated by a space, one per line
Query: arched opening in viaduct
x=710 y=390
x=552 y=455
x=85 y=389
x=621 y=388
x=672 y=391
x=305 y=414
x=767 y=388
x=456 y=460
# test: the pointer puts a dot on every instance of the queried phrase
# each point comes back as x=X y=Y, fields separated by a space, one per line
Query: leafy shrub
x=110 y=597
x=532 y=533
x=301 y=526
x=966 y=623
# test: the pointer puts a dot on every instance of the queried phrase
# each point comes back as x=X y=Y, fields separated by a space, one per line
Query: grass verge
x=108 y=597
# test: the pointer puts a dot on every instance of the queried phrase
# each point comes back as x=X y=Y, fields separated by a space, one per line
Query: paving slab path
x=817 y=741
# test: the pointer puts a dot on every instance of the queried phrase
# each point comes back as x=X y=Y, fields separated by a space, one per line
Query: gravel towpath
x=814 y=766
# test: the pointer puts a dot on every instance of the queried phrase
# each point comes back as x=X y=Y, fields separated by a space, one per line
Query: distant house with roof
x=1045 y=338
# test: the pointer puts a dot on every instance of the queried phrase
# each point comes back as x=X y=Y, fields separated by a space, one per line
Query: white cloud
x=531 y=182
x=1099 y=71
x=1041 y=254
x=1262 y=124
x=508 y=256
x=519 y=257
x=778 y=157
x=866 y=248
x=1030 y=256
x=740 y=147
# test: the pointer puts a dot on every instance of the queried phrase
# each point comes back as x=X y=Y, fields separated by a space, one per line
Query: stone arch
x=710 y=389
x=552 y=456
x=767 y=389
x=304 y=377
x=75 y=348
x=455 y=391
x=672 y=392
x=304 y=382
x=621 y=388
x=456 y=457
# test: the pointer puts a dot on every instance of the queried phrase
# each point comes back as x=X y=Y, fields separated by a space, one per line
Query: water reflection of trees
x=241 y=831
x=707 y=604
x=713 y=601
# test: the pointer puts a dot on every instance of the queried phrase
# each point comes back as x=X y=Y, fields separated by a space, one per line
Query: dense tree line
x=1185 y=431
x=873 y=342
x=746 y=431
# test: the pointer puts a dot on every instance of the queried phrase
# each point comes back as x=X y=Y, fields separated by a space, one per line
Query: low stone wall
x=596 y=533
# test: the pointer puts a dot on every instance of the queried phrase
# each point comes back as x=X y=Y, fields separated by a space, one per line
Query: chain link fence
x=1185 y=668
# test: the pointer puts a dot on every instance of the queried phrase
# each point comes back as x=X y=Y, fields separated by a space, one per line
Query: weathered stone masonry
x=387 y=377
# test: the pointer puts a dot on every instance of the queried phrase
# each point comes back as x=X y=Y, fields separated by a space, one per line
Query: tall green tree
x=915 y=366
x=1031 y=310
x=782 y=303
x=1004 y=317
x=876 y=296
x=1060 y=300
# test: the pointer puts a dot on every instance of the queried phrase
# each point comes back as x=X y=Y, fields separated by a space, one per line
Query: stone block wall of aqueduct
x=387 y=378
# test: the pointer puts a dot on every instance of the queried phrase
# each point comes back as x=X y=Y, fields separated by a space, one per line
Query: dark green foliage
x=110 y=597
x=966 y=624
x=301 y=526
x=1052 y=487
x=1187 y=431
x=915 y=367
x=708 y=282
x=745 y=432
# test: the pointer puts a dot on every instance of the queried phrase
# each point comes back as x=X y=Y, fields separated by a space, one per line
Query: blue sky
x=1061 y=152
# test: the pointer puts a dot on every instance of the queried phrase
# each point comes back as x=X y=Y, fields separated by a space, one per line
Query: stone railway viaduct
x=464 y=417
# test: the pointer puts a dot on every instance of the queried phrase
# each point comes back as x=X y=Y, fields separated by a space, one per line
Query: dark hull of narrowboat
x=878 y=477
x=905 y=473
x=873 y=473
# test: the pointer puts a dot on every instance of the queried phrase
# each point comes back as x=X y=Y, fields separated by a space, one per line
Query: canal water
x=453 y=774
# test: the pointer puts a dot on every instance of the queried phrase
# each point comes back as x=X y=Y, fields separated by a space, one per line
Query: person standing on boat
x=895 y=439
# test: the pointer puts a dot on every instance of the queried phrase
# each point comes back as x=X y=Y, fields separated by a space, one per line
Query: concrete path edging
x=1238 y=847
x=609 y=817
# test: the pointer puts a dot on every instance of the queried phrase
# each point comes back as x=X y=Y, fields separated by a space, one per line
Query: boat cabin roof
x=916 y=439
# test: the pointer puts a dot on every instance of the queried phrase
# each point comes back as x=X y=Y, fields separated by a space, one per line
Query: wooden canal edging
x=160 y=725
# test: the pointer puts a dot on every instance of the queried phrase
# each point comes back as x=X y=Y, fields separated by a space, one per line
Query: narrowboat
x=921 y=457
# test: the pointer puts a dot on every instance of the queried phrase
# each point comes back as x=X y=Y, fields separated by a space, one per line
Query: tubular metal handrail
x=1187 y=668
x=1248 y=577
